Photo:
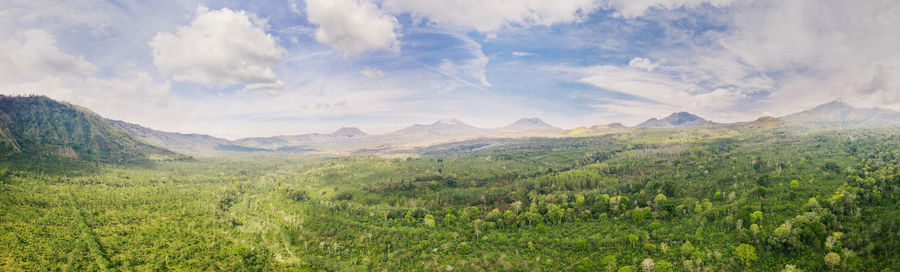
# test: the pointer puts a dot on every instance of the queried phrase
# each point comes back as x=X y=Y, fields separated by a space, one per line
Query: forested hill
x=37 y=126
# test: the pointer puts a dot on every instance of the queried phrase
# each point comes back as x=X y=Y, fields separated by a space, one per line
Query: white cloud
x=810 y=52
x=773 y=57
x=643 y=63
x=660 y=89
x=521 y=54
x=470 y=68
x=371 y=72
x=33 y=53
x=353 y=26
x=637 y=8
x=220 y=47
x=476 y=67
x=57 y=14
x=490 y=16
x=113 y=97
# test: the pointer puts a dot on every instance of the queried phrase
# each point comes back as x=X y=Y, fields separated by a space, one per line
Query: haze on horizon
x=259 y=68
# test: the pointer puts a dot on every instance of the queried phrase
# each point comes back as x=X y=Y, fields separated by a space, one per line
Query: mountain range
x=840 y=113
x=39 y=125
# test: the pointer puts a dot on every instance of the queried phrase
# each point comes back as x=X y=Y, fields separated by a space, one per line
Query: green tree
x=763 y=180
x=687 y=248
x=664 y=266
x=532 y=218
x=633 y=239
x=832 y=259
x=795 y=185
x=449 y=219
x=509 y=217
x=756 y=216
x=637 y=215
x=609 y=262
x=745 y=253
x=647 y=265
x=660 y=199
x=409 y=218
x=493 y=215
x=585 y=265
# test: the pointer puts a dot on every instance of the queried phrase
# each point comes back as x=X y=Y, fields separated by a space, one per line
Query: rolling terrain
x=70 y=131
x=766 y=195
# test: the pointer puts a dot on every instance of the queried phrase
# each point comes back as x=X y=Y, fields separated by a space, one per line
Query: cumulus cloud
x=220 y=47
x=34 y=53
x=353 y=26
x=489 y=16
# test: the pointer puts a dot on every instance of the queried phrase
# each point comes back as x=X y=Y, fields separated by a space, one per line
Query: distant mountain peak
x=443 y=127
x=531 y=120
x=840 y=112
x=528 y=124
x=682 y=115
x=834 y=104
x=349 y=132
x=676 y=119
x=449 y=121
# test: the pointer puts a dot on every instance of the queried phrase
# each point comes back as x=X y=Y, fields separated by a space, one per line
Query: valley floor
x=653 y=200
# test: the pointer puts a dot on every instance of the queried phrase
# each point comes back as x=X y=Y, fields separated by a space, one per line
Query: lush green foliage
x=648 y=200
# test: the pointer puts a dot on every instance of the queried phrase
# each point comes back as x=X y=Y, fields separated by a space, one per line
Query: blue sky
x=257 y=68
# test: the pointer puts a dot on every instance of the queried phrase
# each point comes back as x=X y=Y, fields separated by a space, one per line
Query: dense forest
x=699 y=199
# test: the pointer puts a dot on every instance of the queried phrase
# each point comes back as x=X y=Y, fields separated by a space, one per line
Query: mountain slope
x=596 y=130
x=837 y=112
x=677 y=119
x=39 y=126
x=194 y=144
x=759 y=123
x=343 y=134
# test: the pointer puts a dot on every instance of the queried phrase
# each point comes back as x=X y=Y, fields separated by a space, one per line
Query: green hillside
x=37 y=126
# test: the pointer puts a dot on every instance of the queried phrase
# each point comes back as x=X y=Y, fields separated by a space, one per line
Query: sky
x=278 y=67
